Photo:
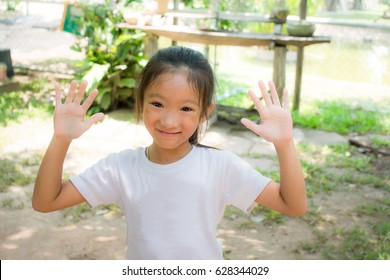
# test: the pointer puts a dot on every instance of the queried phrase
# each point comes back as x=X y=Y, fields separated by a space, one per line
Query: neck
x=159 y=155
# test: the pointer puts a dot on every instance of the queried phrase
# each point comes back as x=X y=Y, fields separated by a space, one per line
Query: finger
x=93 y=119
x=256 y=101
x=265 y=94
x=91 y=97
x=274 y=93
x=58 y=99
x=81 y=91
x=71 y=92
x=286 y=101
x=249 y=124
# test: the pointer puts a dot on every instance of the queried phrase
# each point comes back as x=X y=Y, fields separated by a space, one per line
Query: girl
x=174 y=192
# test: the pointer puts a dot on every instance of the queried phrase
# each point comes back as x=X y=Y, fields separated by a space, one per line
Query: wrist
x=284 y=144
x=61 y=140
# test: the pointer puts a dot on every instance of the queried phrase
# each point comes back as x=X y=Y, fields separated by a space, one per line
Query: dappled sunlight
x=9 y=246
x=24 y=233
x=106 y=238
x=248 y=246
x=11 y=240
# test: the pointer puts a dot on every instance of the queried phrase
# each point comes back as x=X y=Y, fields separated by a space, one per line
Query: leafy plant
x=11 y=4
x=114 y=56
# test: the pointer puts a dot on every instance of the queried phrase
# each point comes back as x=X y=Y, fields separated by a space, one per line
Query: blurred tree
x=357 y=5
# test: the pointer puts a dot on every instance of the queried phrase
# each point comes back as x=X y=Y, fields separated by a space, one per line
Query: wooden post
x=298 y=79
x=151 y=45
x=303 y=9
x=175 y=19
x=279 y=75
x=299 y=63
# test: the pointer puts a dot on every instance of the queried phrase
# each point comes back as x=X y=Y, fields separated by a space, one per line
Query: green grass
x=236 y=93
x=357 y=244
x=341 y=117
x=77 y=213
x=336 y=167
x=380 y=142
x=12 y=203
x=83 y=211
x=371 y=242
x=33 y=99
x=18 y=171
x=381 y=209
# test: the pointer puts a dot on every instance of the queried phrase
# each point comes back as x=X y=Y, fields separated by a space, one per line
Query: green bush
x=114 y=56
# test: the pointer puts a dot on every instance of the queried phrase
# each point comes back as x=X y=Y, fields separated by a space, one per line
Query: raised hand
x=69 y=117
x=276 y=121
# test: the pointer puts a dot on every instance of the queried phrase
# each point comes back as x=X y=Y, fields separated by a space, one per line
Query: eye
x=157 y=104
x=186 y=109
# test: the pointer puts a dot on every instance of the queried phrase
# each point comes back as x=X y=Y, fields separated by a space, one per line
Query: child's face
x=171 y=110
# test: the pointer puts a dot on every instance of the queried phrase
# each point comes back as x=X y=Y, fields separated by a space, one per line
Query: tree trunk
x=331 y=5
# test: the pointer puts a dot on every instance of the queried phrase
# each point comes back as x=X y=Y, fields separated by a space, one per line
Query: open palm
x=276 y=121
x=69 y=117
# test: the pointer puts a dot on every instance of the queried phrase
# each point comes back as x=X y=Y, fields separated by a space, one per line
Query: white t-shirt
x=172 y=210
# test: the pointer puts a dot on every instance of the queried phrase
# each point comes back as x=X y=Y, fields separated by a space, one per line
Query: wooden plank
x=212 y=37
x=224 y=15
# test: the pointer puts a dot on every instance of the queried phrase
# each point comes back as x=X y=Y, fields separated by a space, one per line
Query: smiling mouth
x=168 y=133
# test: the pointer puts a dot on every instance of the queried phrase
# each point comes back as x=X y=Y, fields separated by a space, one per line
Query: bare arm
x=288 y=197
x=50 y=192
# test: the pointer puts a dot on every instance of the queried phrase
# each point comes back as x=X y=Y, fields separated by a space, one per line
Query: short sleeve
x=99 y=184
x=243 y=184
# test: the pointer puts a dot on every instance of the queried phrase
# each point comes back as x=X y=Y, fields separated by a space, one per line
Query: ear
x=209 y=110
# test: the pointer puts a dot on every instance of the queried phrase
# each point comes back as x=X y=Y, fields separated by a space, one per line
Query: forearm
x=292 y=182
x=48 y=183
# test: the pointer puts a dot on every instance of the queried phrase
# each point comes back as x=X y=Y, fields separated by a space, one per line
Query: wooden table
x=278 y=43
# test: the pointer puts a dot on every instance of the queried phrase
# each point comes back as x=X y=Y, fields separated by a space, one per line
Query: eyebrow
x=156 y=95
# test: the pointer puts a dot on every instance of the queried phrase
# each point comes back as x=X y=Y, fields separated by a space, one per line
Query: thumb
x=93 y=119
x=250 y=125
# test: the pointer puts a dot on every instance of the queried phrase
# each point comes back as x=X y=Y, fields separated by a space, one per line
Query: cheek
x=150 y=115
x=191 y=121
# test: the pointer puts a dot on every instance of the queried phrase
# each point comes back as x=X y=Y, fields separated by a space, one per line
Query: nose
x=170 y=120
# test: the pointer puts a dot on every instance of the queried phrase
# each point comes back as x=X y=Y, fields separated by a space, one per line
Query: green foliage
x=342 y=117
x=11 y=4
x=114 y=56
x=29 y=100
